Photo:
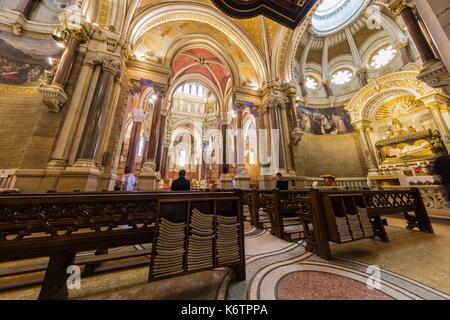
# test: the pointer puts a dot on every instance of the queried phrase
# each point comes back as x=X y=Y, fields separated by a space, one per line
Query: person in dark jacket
x=181 y=184
x=282 y=184
x=442 y=168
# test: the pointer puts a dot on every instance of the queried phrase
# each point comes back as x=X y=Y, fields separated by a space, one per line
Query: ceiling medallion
x=290 y=13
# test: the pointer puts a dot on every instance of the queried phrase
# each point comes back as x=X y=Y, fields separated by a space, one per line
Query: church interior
x=314 y=136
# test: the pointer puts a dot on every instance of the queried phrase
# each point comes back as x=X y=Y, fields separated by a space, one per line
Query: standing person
x=181 y=184
x=442 y=168
x=282 y=184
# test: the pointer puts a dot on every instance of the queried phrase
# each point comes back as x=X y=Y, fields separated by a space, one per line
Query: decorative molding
x=54 y=97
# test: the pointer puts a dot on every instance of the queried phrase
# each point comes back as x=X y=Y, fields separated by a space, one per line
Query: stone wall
x=341 y=156
x=27 y=129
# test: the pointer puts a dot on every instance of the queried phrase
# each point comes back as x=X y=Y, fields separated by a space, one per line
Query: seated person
x=181 y=184
x=282 y=184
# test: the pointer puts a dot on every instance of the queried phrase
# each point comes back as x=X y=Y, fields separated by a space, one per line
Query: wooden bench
x=330 y=206
x=61 y=225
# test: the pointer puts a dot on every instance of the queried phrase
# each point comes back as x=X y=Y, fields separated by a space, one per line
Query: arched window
x=311 y=83
x=187 y=89
x=201 y=91
x=342 y=76
x=382 y=57
x=193 y=90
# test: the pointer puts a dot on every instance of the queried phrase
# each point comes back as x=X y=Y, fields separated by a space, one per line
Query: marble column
x=412 y=25
x=435 y=27
x=138 y=117
x=161 y=139
x=85 y=172
x=402 y=47
x=242 y=178
x=438 y=105
x=97 y=115
x=370 y=156
x=165 y=160
x=226 y=180
x=27 y=7
x=148 y=176
x=276 y=124
x=54 y=95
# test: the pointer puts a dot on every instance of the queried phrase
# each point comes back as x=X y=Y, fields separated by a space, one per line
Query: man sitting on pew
x=181 y=184
x=282 y=184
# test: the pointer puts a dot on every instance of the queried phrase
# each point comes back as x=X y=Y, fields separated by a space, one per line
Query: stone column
x=97 y=115
x=85 y=172
x=274 y=105
x=435 y=28
x=53 y=93
x=438 y=105
x=148 y=177
x=372 y=163
x=161 y=138
x=165 y=159
x=226 y=180
x=412 y=25
x=433 y=72
x=26 y=7
x=402 y=47
x=138 y=117
x=242 y=178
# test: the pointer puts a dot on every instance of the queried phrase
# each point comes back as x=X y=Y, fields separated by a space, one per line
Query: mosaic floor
x=280 y=270
x=413 y=266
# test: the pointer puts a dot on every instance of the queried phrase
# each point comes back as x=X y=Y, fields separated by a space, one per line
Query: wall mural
x=23 y=61
x=332 y=121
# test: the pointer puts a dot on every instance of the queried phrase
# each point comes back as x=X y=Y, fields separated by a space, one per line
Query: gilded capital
x=397 y=6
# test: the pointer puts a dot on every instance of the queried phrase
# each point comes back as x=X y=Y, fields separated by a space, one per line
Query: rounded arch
x=364 y=103
x=203 y=42
x=196 y=78
x=163 y=13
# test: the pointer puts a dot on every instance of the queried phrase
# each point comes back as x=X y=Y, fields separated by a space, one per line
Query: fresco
x=23 y=61
x=331 y=121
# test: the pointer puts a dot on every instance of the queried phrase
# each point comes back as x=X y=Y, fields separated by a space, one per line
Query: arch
x=202 y=42
x=163 y=13
x=364 y=104
x=196 y=78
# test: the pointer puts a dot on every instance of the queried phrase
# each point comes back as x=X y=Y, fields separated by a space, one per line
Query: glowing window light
x=342 y=76
x=383 y=57
x=311 y=83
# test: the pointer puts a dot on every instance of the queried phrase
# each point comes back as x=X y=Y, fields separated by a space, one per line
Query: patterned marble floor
x=281 y=270
x=413 y=266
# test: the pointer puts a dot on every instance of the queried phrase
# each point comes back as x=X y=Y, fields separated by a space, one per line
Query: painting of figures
x=332 y=121
x=23 y=61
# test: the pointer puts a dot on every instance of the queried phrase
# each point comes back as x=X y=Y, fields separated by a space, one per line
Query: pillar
x=242 y=178
x=85 y=172
x=148 y=176
x=161 y=139
x=438 y=105
x=138 y=117
x=371 y=159
x=54 y=95
x=412 y=25
x=27 y=7
x=97 y=116
x=226 y=180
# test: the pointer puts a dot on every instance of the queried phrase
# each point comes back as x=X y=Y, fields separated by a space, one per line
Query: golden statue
x=396 y=129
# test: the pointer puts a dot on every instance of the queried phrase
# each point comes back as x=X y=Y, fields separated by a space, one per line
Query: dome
x=334 y=15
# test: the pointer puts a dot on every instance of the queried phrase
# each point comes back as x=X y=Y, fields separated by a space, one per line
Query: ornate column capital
x=139 y=115
x=272 y=102
x=240 y=106
x=74 y=24
x=397 y=6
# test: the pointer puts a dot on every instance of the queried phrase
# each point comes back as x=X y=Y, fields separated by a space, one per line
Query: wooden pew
x=330 y=206
x=60 y=225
